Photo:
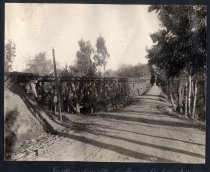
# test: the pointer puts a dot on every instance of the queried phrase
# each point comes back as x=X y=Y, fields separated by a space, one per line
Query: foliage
x=84 y=64
x=40 y=65
x=111 y=73
x=180 y=51
x=181 y=44
x=9 y=54
x=65 y=72
x=101 y=56
x=138 y=70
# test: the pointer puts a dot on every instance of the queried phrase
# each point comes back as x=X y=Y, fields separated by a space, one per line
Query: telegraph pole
x=57 y=85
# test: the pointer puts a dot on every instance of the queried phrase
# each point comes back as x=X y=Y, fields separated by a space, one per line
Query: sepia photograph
x=105 y=83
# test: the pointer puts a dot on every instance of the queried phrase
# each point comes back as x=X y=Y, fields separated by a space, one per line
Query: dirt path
x=144 y=131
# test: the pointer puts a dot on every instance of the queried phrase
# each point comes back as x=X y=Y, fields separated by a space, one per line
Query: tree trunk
x=172 y=101
x=189 y=95
x=185 y=103
x=180 y=99
x=77 y=108
x=204 y=94
x=171 y=97
x=195 y=97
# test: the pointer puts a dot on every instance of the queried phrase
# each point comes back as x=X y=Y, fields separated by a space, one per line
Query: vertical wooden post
x=57 y=85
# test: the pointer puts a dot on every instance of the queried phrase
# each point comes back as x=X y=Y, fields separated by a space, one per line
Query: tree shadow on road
x=160 y=137
x=149 y=113
x=96 y=129
x=158 y=100
x=144 y=120
x=159 y=96
x=118 y=149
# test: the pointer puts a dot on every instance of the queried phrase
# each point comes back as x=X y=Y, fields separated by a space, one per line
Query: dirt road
x=145 y=131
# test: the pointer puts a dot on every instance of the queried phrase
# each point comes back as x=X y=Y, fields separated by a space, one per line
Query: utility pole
x=57 y=85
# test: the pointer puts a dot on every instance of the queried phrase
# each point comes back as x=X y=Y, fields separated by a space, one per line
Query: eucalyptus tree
x=180 y=48
x=101 y=55
x=84 y=64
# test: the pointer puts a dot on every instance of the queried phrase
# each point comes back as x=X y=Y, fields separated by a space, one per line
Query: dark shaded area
x=10 y=136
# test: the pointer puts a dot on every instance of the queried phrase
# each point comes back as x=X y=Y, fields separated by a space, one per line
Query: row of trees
x=179 y=56
x=89 y=62
x=139 y=70
x=130 y=71
x=39 y=64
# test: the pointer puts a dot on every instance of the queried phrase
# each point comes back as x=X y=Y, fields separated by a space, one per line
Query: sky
x=38 y=28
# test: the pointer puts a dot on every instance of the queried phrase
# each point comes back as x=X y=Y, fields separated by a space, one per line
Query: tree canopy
x=179 y=55
x=9 y=54
x=138 y=70
x=181 y=43
x=88 y=59
x=84 y=64
x=101 y=56
x=40 y=65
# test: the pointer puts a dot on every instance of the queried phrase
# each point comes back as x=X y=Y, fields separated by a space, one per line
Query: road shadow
x=149 y=113
x=118 y=149
x=154 y=136
x=159 y=96
x=158 y=100
x=98 y=130
x=117 y=116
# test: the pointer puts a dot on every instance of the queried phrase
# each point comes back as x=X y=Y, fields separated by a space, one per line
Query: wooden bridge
x=87 y=92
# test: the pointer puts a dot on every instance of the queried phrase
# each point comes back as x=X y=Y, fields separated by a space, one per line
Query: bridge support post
x=57 y=85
